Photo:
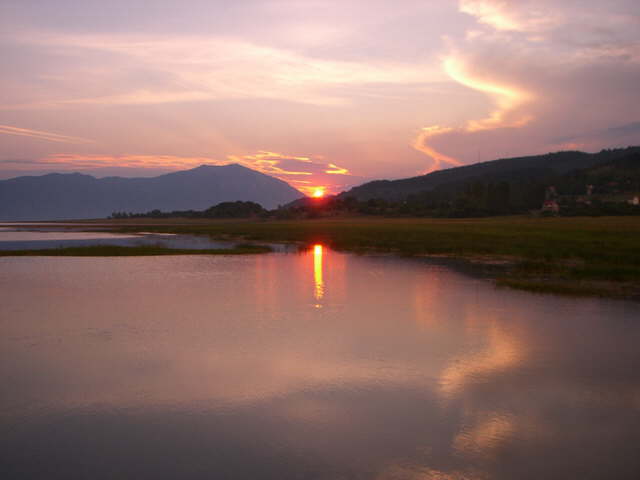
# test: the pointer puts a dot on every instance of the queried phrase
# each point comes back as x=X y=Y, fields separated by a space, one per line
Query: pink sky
x=319 y=92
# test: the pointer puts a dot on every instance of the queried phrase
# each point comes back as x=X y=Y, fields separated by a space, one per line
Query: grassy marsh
x=577 y=255
x=567 y=255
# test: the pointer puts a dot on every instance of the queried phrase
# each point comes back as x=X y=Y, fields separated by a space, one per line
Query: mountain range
x=58 y=196
x=501 y=186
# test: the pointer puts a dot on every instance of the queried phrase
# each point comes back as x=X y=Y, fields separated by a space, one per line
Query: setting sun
x=318 y=192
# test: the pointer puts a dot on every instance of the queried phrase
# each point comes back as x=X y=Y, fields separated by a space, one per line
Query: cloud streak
x=41 y=135
x=507 y=100
x=528 y=16
x=198 y=68
x=304 y=173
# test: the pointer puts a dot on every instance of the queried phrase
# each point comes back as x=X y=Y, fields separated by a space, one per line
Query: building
x=550 y=206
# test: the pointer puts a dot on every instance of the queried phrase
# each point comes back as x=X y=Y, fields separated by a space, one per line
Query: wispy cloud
x=73 y=161
x=304 y=173
x=336 y=170
x=507 y=100
x=421 y=144
x=528 y=16
x=41 y=135
x=196 y=68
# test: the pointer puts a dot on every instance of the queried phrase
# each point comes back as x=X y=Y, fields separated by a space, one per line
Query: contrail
x=51 y=137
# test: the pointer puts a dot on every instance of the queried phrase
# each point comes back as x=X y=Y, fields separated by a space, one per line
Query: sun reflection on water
x=317 y=273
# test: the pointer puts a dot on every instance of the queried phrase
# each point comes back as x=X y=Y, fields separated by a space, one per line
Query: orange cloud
x=316 y=172
x=507 y=114
x=507 y=98
x=335 y=170
x=270 y=163
x=420 y=144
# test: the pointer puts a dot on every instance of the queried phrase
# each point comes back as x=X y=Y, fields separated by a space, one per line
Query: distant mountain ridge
x=528 y=168
x=70 y=196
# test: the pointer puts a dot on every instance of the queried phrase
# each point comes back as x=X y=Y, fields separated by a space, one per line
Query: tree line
x=238 y=209
x=604 y=189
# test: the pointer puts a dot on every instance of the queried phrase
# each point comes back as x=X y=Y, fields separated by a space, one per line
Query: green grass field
x=565 y=255
x=612 y=240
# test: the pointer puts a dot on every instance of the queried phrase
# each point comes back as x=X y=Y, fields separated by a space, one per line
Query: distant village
x=554 y=202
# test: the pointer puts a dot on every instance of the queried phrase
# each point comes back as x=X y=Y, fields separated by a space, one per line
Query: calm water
x=37 y=237
x=316 y=365
x=24 y=236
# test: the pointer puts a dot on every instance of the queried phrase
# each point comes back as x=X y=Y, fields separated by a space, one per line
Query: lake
x=38 y=237
x=309 y=365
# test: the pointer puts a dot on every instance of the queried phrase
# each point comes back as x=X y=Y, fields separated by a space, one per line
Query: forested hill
x=536 y=168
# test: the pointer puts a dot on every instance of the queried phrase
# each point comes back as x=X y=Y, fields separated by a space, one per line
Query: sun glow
x=318 y=192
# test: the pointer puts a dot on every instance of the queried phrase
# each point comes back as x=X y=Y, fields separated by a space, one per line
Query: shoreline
x=578 y=256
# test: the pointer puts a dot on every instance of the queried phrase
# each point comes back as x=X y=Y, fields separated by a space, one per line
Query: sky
x=319 y=93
